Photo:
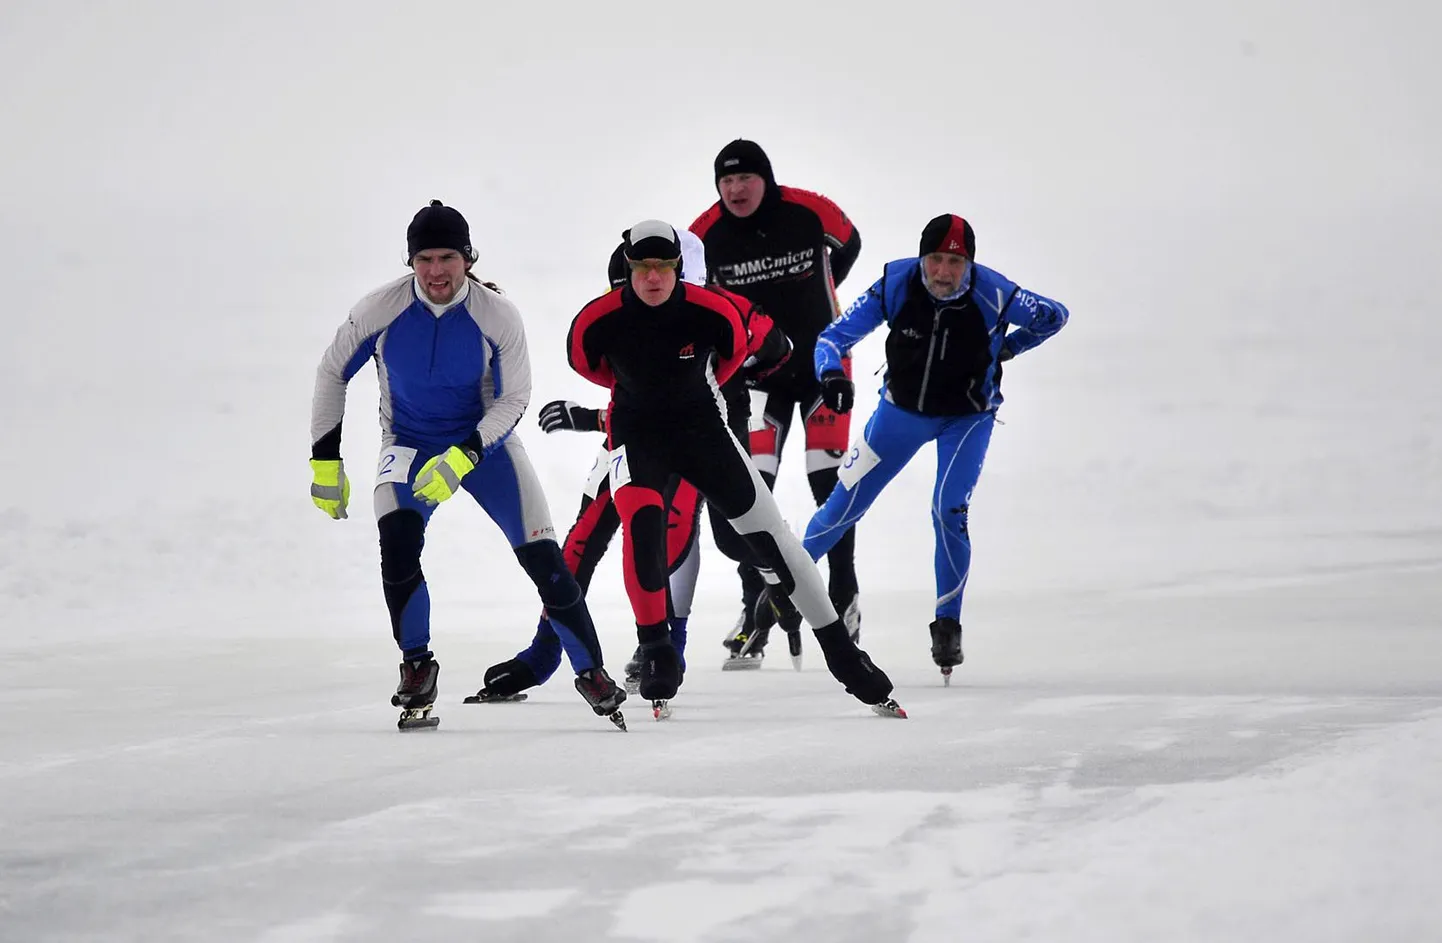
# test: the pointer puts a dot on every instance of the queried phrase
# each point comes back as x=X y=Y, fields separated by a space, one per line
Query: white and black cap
x=652 y=239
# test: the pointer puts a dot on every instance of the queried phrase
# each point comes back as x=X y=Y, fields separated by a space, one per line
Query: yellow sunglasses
x=645 y=266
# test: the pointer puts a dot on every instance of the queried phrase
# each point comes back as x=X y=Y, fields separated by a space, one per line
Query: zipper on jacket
x=944 y=335
x=926 y=371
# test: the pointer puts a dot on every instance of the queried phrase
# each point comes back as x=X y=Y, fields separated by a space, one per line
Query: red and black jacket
x=787 y=257
x=767 y=348
x=665 y=359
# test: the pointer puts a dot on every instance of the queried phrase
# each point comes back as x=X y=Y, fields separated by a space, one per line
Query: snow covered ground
x=1203 y=691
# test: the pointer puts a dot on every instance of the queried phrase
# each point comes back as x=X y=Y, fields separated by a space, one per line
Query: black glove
x=563 y=414
x=837 y=392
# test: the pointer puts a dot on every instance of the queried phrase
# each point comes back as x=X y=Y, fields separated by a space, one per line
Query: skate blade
x=750 y=663
x=419 y=719
x=889 y=708
x=793 y=644
x=482 y=697
x=946 y=677
x=633 y=686
x=618 y=719
x=661 y=708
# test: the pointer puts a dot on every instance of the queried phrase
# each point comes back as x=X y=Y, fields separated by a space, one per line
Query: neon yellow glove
x=330 y=489
x=440 y=477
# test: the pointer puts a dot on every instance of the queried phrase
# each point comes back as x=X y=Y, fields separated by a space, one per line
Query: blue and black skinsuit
x=457 y=374
x=943 y=384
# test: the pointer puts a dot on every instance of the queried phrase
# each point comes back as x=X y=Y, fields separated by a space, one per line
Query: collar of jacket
x=436 y=309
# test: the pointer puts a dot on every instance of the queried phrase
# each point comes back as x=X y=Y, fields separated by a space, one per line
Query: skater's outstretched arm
x=567 y=415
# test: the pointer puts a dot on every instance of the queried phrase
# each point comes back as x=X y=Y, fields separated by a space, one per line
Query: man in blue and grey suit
x=455 y=377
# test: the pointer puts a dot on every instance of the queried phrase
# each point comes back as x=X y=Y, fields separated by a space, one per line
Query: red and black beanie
x=948 y=233
x=744 y=157
x=438 y=226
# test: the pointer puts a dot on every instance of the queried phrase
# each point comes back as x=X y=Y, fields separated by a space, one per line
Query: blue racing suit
x=943 y=384
x=457 y=374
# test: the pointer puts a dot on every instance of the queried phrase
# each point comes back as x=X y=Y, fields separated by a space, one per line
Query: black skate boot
x=660 y=671
x=774 y=607
x=946 y=646
x=605 y=698
x=747 y=646
x=856 y=671
x=660 y=677
x=416 y=694
x=505 y=683
x=848 y=606
x=633 y=672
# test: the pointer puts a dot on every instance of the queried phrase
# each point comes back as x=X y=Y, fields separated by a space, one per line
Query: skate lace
x=412 y=674
x=595 y=684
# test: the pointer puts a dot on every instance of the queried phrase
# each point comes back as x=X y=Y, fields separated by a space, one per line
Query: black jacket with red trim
x=669 y=358
x=788 y=257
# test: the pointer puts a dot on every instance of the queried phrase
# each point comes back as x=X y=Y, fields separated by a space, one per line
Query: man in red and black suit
x=786 y=249
x=664 y=348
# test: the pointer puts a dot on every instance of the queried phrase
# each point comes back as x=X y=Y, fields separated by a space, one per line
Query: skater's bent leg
x=827 y=444
x=643 y=522
x=683 y=549
x=683 y=582
x=506 y=487
x=684 y=513
x=728 y=479
x=841 y=558
x=543 y=655
x=589 y=537
x=683 y=520
x=733 y=545
x=764 y=445
x=532 y=666
x=402 y=535
x=564 y=602
x=960 y=453
x=891 y=438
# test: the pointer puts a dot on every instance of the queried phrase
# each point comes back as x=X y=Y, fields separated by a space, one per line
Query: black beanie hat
x=651 y=239
x=438 y=226
x=744 y=157
x=948 y=233
x=618 y=272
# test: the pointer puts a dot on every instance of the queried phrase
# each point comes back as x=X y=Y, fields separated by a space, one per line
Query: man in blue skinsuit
x=455 y=377
x=952 y=324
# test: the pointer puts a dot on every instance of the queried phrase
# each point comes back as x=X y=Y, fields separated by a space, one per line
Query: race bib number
x=620 y=470
x=859 y=460
x=395 y=465
x=600 y=470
